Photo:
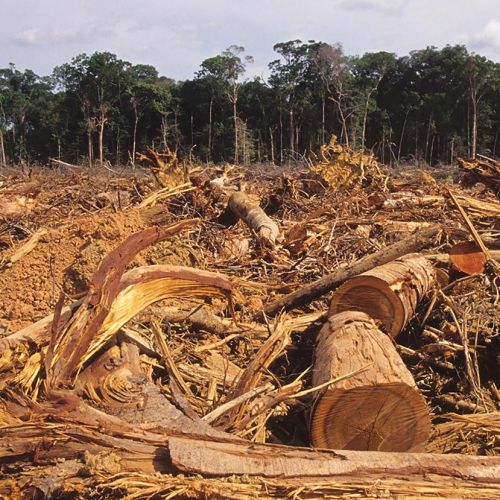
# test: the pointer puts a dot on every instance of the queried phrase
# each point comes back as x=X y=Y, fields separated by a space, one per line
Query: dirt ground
x=450 y=346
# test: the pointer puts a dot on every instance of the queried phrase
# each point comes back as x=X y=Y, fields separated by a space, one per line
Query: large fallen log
x=306 y=294
x=379 y=408
x=188 y=452
x=389 y=293
x=255 y=218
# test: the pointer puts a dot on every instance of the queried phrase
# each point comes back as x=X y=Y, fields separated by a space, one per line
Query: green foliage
x=428 y=106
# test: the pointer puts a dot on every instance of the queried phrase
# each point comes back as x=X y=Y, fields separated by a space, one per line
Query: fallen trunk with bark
x=313 y=291
x=255 y=218
x=389 y=293
x=377 y=406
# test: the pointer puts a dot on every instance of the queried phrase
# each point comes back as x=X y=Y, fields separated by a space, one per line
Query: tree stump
x=378 y=408
x=389 y=293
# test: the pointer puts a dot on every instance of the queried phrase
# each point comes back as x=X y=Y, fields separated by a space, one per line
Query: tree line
x=429 y=106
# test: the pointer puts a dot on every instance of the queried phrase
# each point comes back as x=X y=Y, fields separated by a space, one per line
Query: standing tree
x=369 y=70
x=223 y=72
x=482 y=76
x=98 y=83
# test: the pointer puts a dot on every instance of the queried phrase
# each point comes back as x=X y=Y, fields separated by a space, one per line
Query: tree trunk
x=467 y=258
x=255 y=218
x=164 y=130
x=292 y=134
x=134 y=139
x=271 y=143
x=365 y=117
x=3 y=160
x=323 y=118
x=474 y=125
x=416 y=140
x=388 y=293
x=118 y=150
x=327 y=283
x=235 y=121
x=102 y=122
x=427 y=137
x=89 y=145
x=378 y=408
x=431 y=154
x=402 y=136
x=281 y=138
x=210 y=127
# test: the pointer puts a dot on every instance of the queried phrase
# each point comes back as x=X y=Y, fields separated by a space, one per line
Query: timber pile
x=204 y=338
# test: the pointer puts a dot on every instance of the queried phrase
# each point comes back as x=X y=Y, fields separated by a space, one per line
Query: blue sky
x=176 y=35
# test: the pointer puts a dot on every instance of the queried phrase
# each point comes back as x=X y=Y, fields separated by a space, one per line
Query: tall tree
x=483 y=75
x=98 y=81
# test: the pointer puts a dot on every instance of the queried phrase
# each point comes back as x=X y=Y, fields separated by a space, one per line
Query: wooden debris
x=340 y=166
x=26 y=248
x=467 y=257
x=389 y=293
x=165 y=167
x=310 y=292
x=379 y=408
x=485 y=170
x=166 y=381
x=255 y=218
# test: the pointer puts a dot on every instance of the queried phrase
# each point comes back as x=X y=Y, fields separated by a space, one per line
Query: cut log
x=327 y=283
x=377 y=409
x=255 y=218
x=467 y=258
x=390 y=293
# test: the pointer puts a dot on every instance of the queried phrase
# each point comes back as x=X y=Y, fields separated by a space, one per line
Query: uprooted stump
x=376 y=406
x=388 y=293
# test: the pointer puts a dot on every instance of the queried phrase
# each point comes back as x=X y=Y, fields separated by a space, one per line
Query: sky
x=176 y=35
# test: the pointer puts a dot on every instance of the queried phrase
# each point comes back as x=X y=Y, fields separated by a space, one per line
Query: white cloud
x=39 y=37
x=381 y=6
x=176 y=35
x=488 y=37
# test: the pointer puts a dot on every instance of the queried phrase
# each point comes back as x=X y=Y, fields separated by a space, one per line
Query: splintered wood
x=310 y=335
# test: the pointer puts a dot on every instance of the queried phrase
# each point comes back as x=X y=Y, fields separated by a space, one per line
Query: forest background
x=429 y=106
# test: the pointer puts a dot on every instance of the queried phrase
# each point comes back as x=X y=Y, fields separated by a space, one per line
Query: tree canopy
x=430 y=105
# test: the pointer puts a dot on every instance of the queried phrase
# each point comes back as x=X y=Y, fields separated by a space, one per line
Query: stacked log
x=389 y=293
x=379 y=408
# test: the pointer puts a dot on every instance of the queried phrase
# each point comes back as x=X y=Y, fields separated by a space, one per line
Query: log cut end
x=373 y=296
x=374 y=404
x=467 y=258
x=389 y=293
x=387 y=417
